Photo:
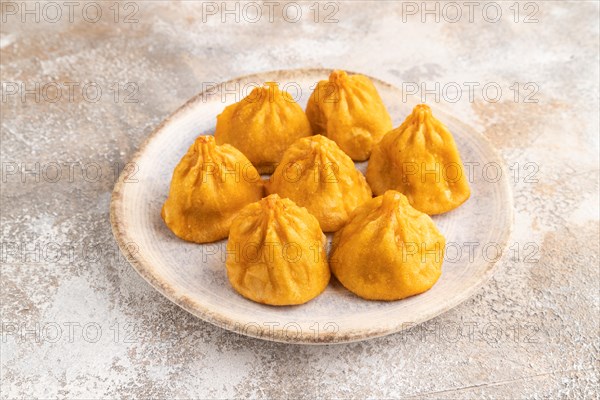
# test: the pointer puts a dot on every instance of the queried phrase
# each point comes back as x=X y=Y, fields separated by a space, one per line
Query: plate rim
x=145 y=270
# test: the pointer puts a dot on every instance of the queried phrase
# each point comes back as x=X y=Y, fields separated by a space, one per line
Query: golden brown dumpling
x=210 y=185
x=263 y=125
x=420 y=159
x=348 y=110
x=388 y=250
x=276 y=253
x=316 y=174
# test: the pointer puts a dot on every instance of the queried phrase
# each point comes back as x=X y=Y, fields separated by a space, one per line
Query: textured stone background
x=77 y=321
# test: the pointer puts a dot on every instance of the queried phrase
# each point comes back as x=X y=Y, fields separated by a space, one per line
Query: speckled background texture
x=77 y=320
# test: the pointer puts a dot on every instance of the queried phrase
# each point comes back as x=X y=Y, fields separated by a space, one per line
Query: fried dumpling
x=387 y=250
x=210 y=185
x=348 y=110
x=276 y=253
x=315 y=173
x=263 y=125
x=420 y=160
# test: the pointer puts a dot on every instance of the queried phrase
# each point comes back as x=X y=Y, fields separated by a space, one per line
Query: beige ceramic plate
x=193 y=276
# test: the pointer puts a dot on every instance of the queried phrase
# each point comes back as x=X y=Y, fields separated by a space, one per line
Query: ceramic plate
x=194 y=277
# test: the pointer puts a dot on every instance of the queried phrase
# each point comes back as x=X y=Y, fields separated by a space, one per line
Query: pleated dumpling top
x=420 y=159
x=315 y=173
x=263 y=125
x=387 y=250
x=348 y=110
x=210 y=185
x=276 y=253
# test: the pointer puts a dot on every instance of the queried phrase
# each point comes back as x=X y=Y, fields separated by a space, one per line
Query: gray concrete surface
x=78 y=322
